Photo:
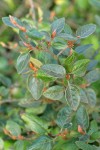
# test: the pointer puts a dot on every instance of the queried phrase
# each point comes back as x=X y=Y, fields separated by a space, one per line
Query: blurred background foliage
x=76 y=12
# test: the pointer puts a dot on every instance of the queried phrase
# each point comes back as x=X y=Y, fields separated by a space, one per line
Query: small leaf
x=93 y=127
x=22 y=62
x=69 y=61
x=55 y=92
x=44 y=76
x=58 y=25
x=35 y=87
x=67 y=29
x=5 y=80
x=85 y=30
x=95 y=135
x=84 y=146
x=79 y=68
x=36 y=62
x=91 y=97
x=7 y=21
x=91 y=65
x=42 y=143
x=64 y=117
x=82 y=49
x=19 y=145
x=35 y=123
x=69 y=145
x=72 y=96
x=88 y=96
x=35 y=34
x=82 y=117
x=59 y=45
x=92 y=76
x=83 y=96
x=68 y=37
x=54 y=70
x=13 y=128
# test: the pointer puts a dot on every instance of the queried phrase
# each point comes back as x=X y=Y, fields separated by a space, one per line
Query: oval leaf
x=22 y=62
x=72 y=96
x=82 y=117
x=54 y=70
x=35 y=87
x=54 y=92
x=86 y=30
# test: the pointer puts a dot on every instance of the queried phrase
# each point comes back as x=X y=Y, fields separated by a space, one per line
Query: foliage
x=56 y=107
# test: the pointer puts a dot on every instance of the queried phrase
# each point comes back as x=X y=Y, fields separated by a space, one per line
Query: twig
x=8 y=101
x=61 y=51
x=32 y=10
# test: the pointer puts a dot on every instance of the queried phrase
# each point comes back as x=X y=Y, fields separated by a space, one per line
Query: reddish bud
x=32 y=67
x=78 y=36
x=53 y=34
x=80 y=130
x=70 y=52
x=48 y=43
x=44 y=89
x=12 y=20
x=68 y=76
x=52 y=14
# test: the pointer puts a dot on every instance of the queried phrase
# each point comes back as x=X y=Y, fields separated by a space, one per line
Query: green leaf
x=35 y=124
x=35 y=34
x=42 y=143
x=72 y=96
x=82 y=117
x=93 y=127
x=5 y=80
x=7 y=21
x=83 y=96
x=95 y=135
x=82 y=49
x=85 y=146
x=59 y=45
x=46 y=35
x=69 y=145
x=69 y=61
x=22 y=62
x=92 y=76
x=92 y=65
x=67 y=29
x=19 y=145
x=55 y=92
x=68 y=37
x=36 y=62
x=79 y=68
x=35 y=87
x=1 y=144
x=85 y=30
x=13 y=128
x=64 y=117
x=88 y=96
x=91 y=97
x=58 y=25
x=54 y=70
x=44 y=76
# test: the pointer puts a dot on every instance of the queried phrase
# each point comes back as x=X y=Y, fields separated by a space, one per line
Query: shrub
x=58 y=76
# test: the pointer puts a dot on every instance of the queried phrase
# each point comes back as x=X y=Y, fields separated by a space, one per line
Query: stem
x=61 y=52
x=32 y=9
